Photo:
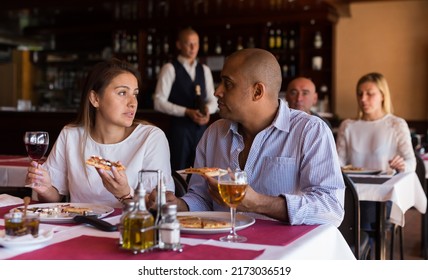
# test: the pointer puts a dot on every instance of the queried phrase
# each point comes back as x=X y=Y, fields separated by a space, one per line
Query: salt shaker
x=169 y=228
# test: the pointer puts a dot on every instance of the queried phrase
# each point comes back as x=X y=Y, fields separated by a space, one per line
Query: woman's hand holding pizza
x=115 y=181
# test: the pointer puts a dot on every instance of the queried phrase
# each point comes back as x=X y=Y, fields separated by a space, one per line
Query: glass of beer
x=232 y=186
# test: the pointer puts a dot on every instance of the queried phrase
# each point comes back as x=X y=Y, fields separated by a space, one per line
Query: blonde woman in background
x=377 y=139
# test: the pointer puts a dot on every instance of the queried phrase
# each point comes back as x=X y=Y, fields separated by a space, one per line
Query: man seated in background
x=301 y=95
x=293 y=169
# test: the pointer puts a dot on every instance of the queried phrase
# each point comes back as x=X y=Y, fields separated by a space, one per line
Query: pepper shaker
x=169 y=229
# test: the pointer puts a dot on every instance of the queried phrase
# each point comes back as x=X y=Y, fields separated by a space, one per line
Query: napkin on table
x=6 y=200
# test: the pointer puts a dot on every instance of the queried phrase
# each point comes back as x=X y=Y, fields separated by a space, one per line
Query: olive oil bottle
x=138 y=226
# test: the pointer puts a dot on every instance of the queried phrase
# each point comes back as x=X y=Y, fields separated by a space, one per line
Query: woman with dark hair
x=105 y=127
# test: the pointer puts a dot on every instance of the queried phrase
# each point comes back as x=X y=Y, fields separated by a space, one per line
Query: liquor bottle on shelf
x=239 y=45
x=116 y=45
x=135 y=61
x=251 y=43
x=134 y=44
x=285 y=70
x=149 y=69
x=205 y=46
x=271 y=39
x=278 y=39
x=165 y=44
x=218 y=48
x=157 y=67
x=318 y=40
x=284 y=40
x=292 y=40
x=292 y=66
x=158 y=46
x=229 y=48
x=149 y=47
x=124 y=42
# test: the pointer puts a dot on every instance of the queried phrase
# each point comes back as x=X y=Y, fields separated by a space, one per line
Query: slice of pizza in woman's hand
x=102 y=163
x=209 y=171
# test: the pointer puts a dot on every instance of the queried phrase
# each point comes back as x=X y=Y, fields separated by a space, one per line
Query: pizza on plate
x=57 y=210
x=198 y=222
x=351 y=168
x=75 y=210
x=102 y=163
x=209 y=171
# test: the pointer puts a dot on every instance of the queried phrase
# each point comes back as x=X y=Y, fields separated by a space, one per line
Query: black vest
x=183 y=90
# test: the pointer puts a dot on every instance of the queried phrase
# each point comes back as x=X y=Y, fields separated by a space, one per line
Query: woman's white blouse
x=371 y=144
x=146 y=148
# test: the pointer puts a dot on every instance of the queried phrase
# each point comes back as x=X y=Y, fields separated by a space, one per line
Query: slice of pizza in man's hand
x=209 y=171
x=102 y=163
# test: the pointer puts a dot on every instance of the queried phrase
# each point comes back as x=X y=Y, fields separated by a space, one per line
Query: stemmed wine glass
x=232 y=186
x=36 y=143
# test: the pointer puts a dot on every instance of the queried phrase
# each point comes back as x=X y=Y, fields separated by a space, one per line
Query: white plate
x=242 y=221
x=25 y=241
x=100 y=210
x=363 y=172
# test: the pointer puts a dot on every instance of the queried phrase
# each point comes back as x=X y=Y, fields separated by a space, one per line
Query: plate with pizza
x=65 y=212
x=211 y=222
x=209 y=171
x=349 y=169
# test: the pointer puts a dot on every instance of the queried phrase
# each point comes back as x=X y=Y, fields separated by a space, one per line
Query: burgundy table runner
x=103 y=248
x=265 y=232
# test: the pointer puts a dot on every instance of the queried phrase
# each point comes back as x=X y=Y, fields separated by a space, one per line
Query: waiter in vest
x=185 y=91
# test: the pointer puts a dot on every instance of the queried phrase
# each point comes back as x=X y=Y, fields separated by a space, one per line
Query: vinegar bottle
x=139 y=226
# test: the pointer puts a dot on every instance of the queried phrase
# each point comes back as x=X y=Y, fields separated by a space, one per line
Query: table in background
x=404 y=190
x=425 y=158
x=267 y=240
x=13 y=169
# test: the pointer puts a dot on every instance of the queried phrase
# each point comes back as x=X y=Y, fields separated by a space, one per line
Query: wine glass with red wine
x=36 y=143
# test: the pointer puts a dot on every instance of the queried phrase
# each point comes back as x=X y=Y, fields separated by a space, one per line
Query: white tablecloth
x=403 y=189
x=325 y=242
x=12 y=176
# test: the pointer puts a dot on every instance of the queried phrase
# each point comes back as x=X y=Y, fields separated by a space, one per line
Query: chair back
x=180 y=184
x=350 y=227
x=421 y=171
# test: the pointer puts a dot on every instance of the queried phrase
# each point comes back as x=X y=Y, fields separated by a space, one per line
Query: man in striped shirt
x=290 y=157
